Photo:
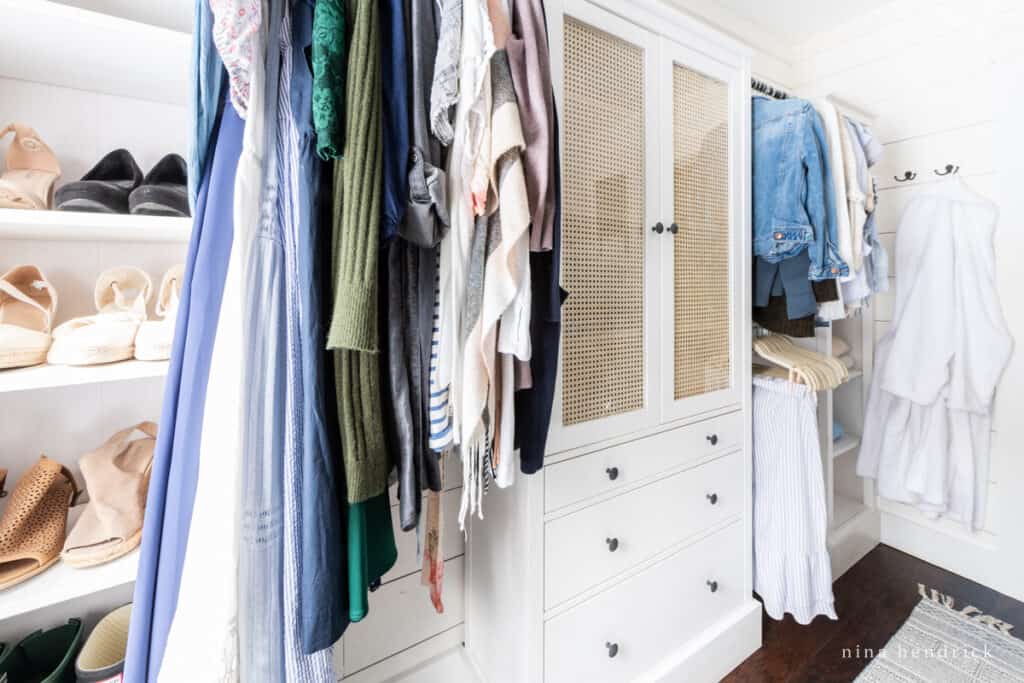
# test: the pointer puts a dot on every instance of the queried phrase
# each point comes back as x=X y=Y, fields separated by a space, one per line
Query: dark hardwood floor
x=873 y=599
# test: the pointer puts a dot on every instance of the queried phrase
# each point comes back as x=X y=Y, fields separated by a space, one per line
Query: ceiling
x=799 y=20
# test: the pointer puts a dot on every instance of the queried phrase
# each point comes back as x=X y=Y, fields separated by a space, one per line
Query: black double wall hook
x=908 y=176
x=950 y=169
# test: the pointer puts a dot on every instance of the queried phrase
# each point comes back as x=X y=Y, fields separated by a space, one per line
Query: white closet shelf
x=62 y=582
x=63 y=45
x=847 y=443
x=22 y=224
x=50 y=376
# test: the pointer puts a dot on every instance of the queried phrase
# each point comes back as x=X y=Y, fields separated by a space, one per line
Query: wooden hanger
x=816 y=370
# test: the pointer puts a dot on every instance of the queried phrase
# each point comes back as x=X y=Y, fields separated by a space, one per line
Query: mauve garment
x=530 y=60
x=176 y=456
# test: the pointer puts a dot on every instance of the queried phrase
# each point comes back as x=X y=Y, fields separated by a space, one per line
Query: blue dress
x=176 y=458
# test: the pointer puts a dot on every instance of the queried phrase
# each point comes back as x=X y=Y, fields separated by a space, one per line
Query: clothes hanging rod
x=768 y=89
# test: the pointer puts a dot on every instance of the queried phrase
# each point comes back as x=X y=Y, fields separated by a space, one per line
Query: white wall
x=937 y=76
x=772 y=60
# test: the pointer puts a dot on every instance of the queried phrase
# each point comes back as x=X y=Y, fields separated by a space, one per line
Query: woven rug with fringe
x=937 y=644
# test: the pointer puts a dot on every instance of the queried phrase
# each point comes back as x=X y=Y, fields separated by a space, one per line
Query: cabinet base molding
x=714 y=653
x=852 y=541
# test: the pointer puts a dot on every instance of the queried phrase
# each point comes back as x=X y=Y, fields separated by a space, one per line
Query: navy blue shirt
x=395 y=77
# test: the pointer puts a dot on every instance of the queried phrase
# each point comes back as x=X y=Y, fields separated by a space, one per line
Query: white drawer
x=648 y=616
x=452 y=541
x=619 y=466
x=402 y=615
x=596 y=543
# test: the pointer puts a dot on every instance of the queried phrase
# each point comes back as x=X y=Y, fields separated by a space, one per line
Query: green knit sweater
x=358 y=178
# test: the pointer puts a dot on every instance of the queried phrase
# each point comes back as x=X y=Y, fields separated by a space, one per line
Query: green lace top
x=329 y=67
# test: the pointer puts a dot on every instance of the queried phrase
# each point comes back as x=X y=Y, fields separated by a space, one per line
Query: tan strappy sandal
x=34 y=522
x=117 y=478
x=121 y=294
x=27 y=304
x=32 y=170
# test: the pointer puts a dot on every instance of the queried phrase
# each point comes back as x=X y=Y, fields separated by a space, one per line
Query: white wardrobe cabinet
x=653 y=189
x=628 y=556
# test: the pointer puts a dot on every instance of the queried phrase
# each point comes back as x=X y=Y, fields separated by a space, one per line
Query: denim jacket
x=794 y=200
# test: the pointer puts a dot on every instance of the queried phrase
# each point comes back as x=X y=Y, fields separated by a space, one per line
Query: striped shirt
x=440 y=418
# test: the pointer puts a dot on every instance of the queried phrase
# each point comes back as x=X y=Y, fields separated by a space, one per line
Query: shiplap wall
x=939 y=76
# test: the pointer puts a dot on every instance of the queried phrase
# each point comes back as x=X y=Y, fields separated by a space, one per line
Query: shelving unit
x=57 y=44
x=52 y=376
x=19 y=224
x=89 y=81
x=848 y=443
x=63 y=582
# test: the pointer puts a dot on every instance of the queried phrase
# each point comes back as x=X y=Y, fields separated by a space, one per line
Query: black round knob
x=658 y=228
x=612 y=472
x=613 y=649
x=712 y=498
x=713 y=585
x=613 y=544
x=713 y=438
x=673 y=228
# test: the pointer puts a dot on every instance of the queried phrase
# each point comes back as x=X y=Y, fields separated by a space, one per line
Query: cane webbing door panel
x=609 y=203
x=700 y=316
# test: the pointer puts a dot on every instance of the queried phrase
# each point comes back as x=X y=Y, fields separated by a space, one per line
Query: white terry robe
x=927 y=428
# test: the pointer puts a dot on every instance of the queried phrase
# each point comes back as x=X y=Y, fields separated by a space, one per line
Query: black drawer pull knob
x=713 y=585
x=658 y=228
x=713 y=439
x=673 y=228
x=613 y=544
x=712 y=498
x=612 y=472
x=613 y=649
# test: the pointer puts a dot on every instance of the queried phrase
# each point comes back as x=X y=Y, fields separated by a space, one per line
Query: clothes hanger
x=817 y=371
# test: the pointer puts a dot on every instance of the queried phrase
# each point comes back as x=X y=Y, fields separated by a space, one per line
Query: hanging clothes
x=792 y=568
x=529 y=59
x=264 y=343
x=506 y=307
x=928 y=420
x=412 y=264
x=400 y=354
x=394 y=114
x=329 y=76
x=353 y=334
x=208 y=70
x=301 y=664
x=444 y=90
x=203 y=640
x=322 y=591
x=796 y=226
x=174 y=477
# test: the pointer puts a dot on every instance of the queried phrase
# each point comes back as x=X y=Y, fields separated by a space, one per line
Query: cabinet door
x=702 y=135
x=605 y=79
